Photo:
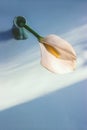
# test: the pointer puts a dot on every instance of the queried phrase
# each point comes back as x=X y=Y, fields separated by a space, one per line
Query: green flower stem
x=33 y=32
x=21 y=23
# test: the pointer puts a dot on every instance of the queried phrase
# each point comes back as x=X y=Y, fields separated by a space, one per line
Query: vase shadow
x=6 y=35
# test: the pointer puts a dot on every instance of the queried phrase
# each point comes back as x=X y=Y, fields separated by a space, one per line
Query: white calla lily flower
x=57 y=55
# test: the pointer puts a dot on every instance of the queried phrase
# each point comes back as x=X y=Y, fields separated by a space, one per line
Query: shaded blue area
x=65 y=109
x=45 y=15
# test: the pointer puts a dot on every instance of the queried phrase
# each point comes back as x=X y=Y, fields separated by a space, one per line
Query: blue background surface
x=32 y=98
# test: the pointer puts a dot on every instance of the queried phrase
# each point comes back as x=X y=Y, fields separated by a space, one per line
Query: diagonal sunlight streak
x=76 y=35
x=24 y=80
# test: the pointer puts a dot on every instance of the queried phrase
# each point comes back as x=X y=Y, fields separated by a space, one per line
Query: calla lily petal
x=57 y=55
